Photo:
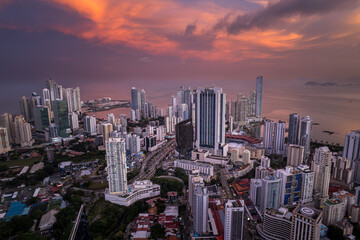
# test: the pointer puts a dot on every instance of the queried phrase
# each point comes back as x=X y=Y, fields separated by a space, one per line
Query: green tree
x=157 y=231
x=335 y=233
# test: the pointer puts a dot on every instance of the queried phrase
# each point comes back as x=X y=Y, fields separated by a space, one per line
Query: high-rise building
x=295 y=155
x=23 y=132
x=4 y=141
x=306 y=223
x=239 y=109
x=90 y=125
x=41 y=118
x=341 y=169
x=26 y=107
x=259 y=95
x=142 y=100
x=307 y=186
x=291 y=182
x=169 y=111
x=184 y=133
x=110 y=118
x=252 y=104
x=72 y=96
x=55 y=90
x=194 y=181
x=246 y=155
x=356 y=167
x=276 y=224
x=200 y=212
x=6 y=121
x=46 y=98
x=334 y=211
x=173 y=104
x=294 y=121
x=183 y=111
x=270 y=193
x=305 y=135
x=210 y=120
x=135 y=99
x=255 y=191
x=61 y=113
x=106 y=129
x=123 y=120
x=116 y=166
x=352 y=145
x=322 y=168
x=264 y=169
x=74 y=120
x=268 y=134
x=227 y=110
x=279 y=137
x=234 y=220
x=134 y=143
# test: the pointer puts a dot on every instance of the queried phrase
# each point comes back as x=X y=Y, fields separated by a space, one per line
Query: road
x=150 y=163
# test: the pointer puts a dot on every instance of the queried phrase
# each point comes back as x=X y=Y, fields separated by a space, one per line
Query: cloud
x=274 y=12
x=330 y=84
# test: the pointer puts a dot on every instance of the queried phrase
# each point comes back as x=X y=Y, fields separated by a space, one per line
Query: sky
x=107 y=46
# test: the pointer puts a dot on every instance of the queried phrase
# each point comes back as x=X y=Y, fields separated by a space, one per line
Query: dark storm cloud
x=273 y=13
x=191 y=41
x=38 y=15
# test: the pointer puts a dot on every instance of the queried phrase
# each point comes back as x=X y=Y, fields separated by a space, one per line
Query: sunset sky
x=103 y=44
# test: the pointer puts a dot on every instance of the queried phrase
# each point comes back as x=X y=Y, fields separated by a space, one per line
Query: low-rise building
x=137 y=191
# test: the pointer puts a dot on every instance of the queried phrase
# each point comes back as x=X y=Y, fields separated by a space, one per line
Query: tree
x=157 y=231
x=160 y=206
x=180 y=173
x=335 y=233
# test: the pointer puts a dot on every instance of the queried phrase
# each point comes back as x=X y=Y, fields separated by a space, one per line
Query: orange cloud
x=158 y=27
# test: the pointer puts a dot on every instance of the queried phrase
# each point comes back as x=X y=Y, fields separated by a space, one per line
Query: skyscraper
x=61 y=113
x=291 y=182
x=200 y=212
x=142 y=100
x=305 y=135
x=234 y=220
x=72 y=96
x=259 y=96
x=184 y=133
x=194 y=181
x=322 y=168
x=26 y=107
x=6 y=121
x=55 y=90
x=106 y=129
x=74 y=120
x=268 y=134
x=41 y=118
x=334 y=211
x=116 y=166
x=210 y=119
x=295 y=155
x=4 y=141
x=294 y=121
x=270 y=193
x=307 y=186
x=306 y=223
x=173 y=104
x=22 y=132
x=279 y=137
x=352 y=145
x=135 y=100
x=90 y=125
x=183 y=111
